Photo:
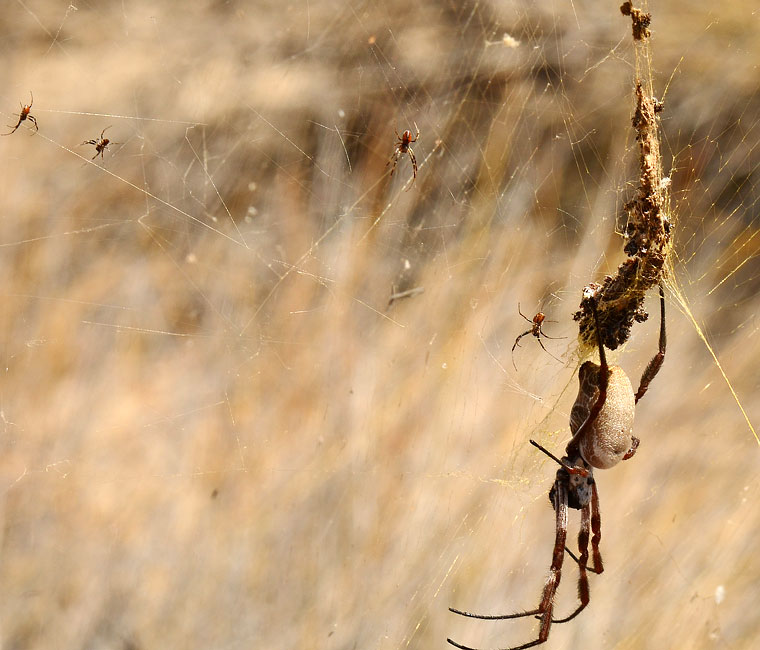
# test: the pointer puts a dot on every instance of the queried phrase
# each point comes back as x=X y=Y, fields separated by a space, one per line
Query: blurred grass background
x=216 y=433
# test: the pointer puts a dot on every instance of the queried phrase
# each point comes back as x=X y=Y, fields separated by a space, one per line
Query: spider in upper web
x=403 y=147
x=24 y=115
x=602 y=423
x=536 y=324
x=100 y=144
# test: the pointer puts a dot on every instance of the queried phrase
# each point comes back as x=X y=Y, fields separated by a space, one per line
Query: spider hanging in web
x=403 y=147
x=601 y=422
x=100 y=144
x=24 y=115
x=536 y=324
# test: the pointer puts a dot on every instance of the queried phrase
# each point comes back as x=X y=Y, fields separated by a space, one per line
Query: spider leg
x=596 y=529
x=590 y=511
x=575 y=557
x=18 y=124
x=634 y=446
x=604 y=376
x=583 y=588
x=517 y=340
x=555 y=572
x=553 y=338
x=33 y=120
x=583 y=537
x=414 y=161
x=393 y=159
x=546 y=606
x=653 y=367
x=530 y=320
x=547 y=351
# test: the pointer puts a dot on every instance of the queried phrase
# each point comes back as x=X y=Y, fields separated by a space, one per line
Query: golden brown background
x=215 y=431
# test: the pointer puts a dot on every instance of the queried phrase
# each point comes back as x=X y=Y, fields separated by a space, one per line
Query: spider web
x=257 y=391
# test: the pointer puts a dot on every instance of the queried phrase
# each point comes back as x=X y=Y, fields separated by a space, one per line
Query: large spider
x=538 y=320
x=602 y=423
x=403 y=147
x=24 y=115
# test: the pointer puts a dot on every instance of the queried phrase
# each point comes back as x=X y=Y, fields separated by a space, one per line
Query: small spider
x=24 y=115
x=536 y=323
x=100 y=143
x=403 y=147
x=601 y=422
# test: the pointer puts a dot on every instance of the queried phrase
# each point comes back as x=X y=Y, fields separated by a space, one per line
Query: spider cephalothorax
x=601 y=422
x=578 y=485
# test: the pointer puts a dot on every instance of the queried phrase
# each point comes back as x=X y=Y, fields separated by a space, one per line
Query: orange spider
x=100 y=143
x=536 y=323
x=24 y=115
x=403 y=147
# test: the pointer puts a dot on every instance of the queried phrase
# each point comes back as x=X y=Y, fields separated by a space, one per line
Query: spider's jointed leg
x=589 y=515
x=596 y=529
x=653 y=367
x=414 y=162
x=546 y=607
x=604 y=375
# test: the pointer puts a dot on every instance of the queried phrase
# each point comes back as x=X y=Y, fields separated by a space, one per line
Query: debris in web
x=639 y=19
x=620 y=298
x=400 y=295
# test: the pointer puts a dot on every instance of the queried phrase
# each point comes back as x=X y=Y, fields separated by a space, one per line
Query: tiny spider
x=601 y=422
x=100 y=143
x=403 y=147
x=536 y=323
x=24 y=115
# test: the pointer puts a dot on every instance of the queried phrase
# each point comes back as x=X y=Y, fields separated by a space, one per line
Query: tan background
x=215 y=433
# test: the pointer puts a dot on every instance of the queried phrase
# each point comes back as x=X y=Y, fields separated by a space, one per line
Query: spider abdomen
x=610 y=437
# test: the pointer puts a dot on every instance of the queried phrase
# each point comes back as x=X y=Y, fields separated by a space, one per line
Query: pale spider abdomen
x=611 y=435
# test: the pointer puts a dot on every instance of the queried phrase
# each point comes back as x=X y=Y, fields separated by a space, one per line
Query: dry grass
x=216 y=435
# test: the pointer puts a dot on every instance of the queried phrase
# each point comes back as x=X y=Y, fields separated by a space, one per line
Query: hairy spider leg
x=653 y=367
x=546 y=606
x=589 y=515
x=604 y=376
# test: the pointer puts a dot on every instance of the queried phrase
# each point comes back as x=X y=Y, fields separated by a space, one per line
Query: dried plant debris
x=648 y=228
x=400 y=295
x=620 y=298
x=640 y=20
